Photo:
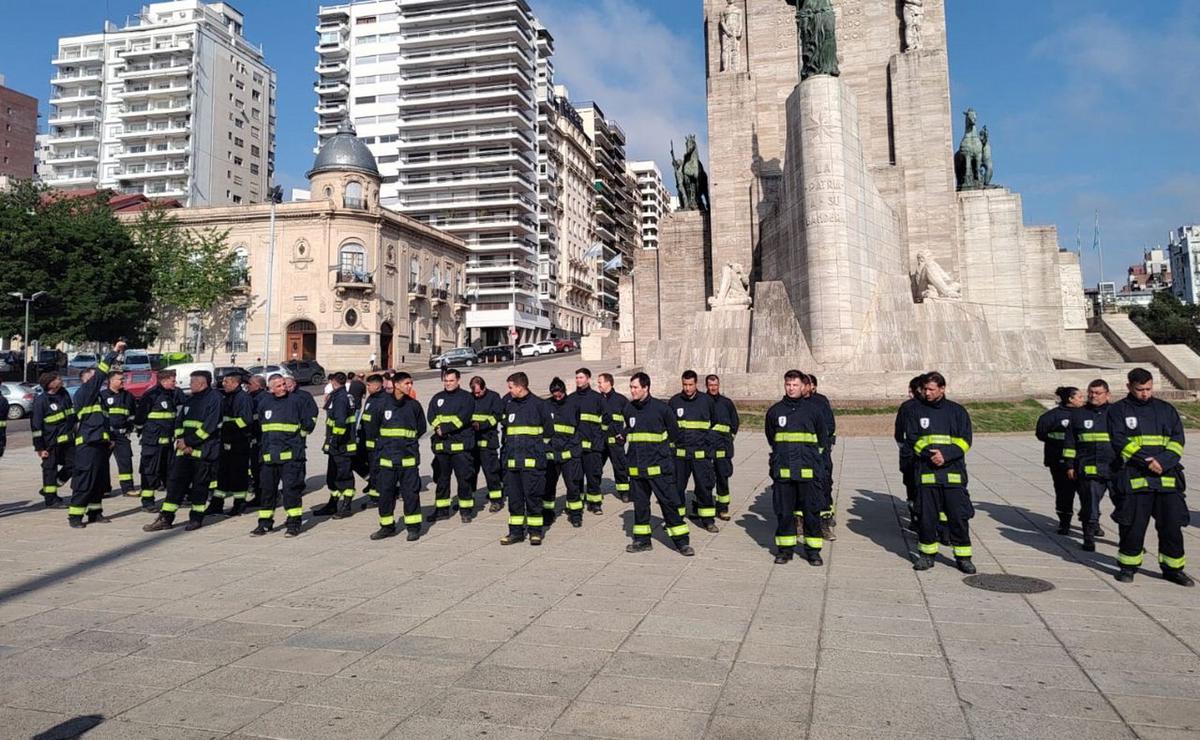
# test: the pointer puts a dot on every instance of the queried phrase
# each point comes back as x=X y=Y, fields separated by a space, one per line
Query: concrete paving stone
x=300 y=659
x=1010 y=673
x=1016 y=614
x=704 y=629
x=587 y=620
x=282 y=616
x=1180 y=713
x=466 y=629
x=1153 y=732
x=1024 y=635
x=201 y=711
x=434 y=728
x=999 y=725
x=252 y=683
x=1038 y=700
x=711 y=596
x=1028 y=654
x=802 y=655
x=303 y=722
x=836 y=681
x=119 y=643
x=14 y=612
x=515 y=710
x=552 y=657
x=818 y=731
x=247 y=632
x=381 y=667
x=754 y=675
x=440 y=648
x=668 y=667
x=136 y=670
x=605 y=604
x=541 y=682
x=871 y=643
x=53 y=663
x=786 y=703
x=880 y=625
x=123 y=729
x=735 y=615
x=356 y=694
x=918 y=612
x=886 y=718
x=35 y=723
x=1161 y=642
x=505 y=614
x=595 y=639
x=70 y=617
x=651 y=692
x=725 y=727
x=924 y=666
x=75 y=695
x=203 y=608
x=354 y=620
x=327 y=636
x=588 y=719
x=685 y=647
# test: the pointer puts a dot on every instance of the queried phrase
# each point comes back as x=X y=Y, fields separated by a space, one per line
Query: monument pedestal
x=670 y=284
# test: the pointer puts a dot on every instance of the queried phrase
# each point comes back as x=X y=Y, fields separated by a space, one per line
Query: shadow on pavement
x=759 y=520
x=1038 y=531
x=20 y=507
x=873 y=514
x=71 y=728
x=657 y=532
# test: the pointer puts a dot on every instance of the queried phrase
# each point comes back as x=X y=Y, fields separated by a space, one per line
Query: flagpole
x=1098 y=246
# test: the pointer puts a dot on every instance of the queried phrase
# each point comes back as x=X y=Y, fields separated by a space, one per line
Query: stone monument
x=837 y=235
x=731 y=28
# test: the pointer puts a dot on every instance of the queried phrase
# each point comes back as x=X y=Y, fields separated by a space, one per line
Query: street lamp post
x=25 y=339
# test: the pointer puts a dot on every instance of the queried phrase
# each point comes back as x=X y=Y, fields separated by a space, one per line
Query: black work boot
x=966 y=566
x=239 y=507
x=1177 y=577
x=96 y=516
x=264 y=526
x=329 y=509
x=385 y=531
x=216 y=506
x=576 y=520
x=784 y=556
x=512 y=539
x=293 y=527
x=441 y=512
x=639 y=547
x=414 y=534
x=1064 y=524
x=495 y=506
x=1125 y=575
x=923 y=562
x=195 y=520
x=76 y=522
x=1097 y=531
x=345 y=508
x=160 y=524
x=149 y=505
x=687 y=551
x=1089 y=544
x=53 y=501
x=827 y=530
x=814 y=558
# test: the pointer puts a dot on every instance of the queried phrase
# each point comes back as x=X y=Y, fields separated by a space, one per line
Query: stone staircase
x=1100 y=350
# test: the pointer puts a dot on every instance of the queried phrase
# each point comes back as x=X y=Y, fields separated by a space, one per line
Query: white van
x=184 y=370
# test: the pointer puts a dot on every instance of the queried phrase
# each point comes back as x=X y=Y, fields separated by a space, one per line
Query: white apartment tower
x=654 y=201
x=1183 y=249
x=549 y=167
x=444 y=93
x=577 y=311
x=175 y=103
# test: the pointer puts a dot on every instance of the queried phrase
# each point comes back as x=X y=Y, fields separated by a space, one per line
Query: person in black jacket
x=286 y=420
x=1051 y=431
x=938 y=432
x=91 y=445
x=725 y=428
x=563 y=455
x=156 y=414
x=651 y=429
x=340 y=447
x=1147 y=434
x=797 y=433
x=905 y=449
x=52 y=424
x=613 y=426
x=527 y=425
x=828 y=509
x=237 y=430
x=397 y=425
x=3 y=424
x=366 y=458
x=591 y=438
x=486 y=455
x=1090 y=446
x=256 y=388
x=121 y=410
x=694 y=449
x=197 y=452
x=449 y=417
x=356 y=388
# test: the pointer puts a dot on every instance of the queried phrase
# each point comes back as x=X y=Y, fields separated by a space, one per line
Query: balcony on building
x=148 y=70
x=241 y=280
x=142 y=49
x=353 y=280
x=81 y=74
x=160 y=128
x=416 y=290
x=61 y=156
x=333 y=69
x=332 y=89
x=74 y=116
x=74 y=94
x=333 y=45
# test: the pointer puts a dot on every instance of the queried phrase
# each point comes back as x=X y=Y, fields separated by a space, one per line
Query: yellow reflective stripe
x=962 y=551
x=1094 y=437
x=118 y=410
x=807 y=437
x=446 y=419
x=483 y=417
x=928 y=478
x=161 y=415
x=786 y=540
x=1056 y=435
x=408 y=462
x=385 y=462
x=1124 y=559
x=516 y=521
x=336 y=429
x=370 y=444
x=523 y=431
x=94 y=408
x=647 y=437
x=1089 y=470
x=387 y=521
x=593 y=418
x=928 y=549
x=281 y=427
x=642 y=530
x=55 y=417
x=722 y=428
x=403 y=432
x=617 y=417
x=1068 y=453
x=678 y=531
x=411 y=519
x=689 y=424
x=1138 y=483
x=1174 y=563
x=1175 y=447
x=1167 y=482
x=295 y=512
x=953 y=478
x=564 y=428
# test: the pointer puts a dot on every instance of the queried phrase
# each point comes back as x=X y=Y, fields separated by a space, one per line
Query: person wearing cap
x=120 y=408
x=92 y=445
x=237 y=430
x=563 y=455
x=193 y=475
x=156 y=413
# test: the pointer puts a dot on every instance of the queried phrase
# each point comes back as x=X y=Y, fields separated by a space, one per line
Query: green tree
x=194 y=273
x=1168 y=321
x=75 y=249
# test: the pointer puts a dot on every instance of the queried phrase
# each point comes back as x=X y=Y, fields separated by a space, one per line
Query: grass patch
x=986 y=416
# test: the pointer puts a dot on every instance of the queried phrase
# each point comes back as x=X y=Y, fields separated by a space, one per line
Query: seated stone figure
x=734 y=292
x=934 y=283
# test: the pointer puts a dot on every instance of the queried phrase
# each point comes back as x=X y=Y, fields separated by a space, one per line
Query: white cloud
x=643 y=74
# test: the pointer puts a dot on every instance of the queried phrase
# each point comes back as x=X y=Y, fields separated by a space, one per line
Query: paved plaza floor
x=109 y=632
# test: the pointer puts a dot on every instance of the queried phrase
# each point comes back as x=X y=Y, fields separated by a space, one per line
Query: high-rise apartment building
x=18 y=130
x=577 y=310
x=174 y=103
x=1183 y=249
x=549 y=166
x=444 y=92
x=654 y=201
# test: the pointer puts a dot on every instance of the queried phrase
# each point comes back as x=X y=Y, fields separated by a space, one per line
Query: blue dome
x=342 y=152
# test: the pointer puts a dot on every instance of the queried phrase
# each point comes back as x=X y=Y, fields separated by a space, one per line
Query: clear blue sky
x=1092 y=104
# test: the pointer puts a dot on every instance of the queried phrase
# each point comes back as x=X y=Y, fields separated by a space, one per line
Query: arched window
x=414 y=273
x=352 y=264
x=241 y=267
x=354 y=195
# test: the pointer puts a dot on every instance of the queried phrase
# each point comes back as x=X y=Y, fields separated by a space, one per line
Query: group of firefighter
x=246 y=441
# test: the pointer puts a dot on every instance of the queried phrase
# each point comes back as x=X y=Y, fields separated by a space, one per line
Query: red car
x=565 y=345
x=137 y=382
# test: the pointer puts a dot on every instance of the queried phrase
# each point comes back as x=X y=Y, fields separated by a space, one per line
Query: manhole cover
x=1008 y=584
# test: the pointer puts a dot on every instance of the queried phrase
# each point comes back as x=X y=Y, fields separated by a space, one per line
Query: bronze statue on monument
x=691 y=181
x=816 y=28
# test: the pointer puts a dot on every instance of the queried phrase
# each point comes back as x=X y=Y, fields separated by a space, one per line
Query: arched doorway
x=301 y=340
x=386 y=333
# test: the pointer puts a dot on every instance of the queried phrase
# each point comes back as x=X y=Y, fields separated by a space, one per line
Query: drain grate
x=1008 y=584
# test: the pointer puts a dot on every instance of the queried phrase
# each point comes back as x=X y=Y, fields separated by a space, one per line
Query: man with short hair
x=1147 y=435
x=590 y=405
x=651 y=431
x=938 y=434
x=197 y=453
x=121 y=409
x=563 y=456
x=395 y=426
x=366 y=459
x=92 y=440
x=526 y=424
x=449 y=417
x=156 y=415
x=339 y=447
x=286 y=421
x=613 y=425
x=233 y=467
x=256 y=390
x=52 y=424
x=725 y=427
x=485 y=456
x=1091 y=451
x=694 y=448
x=796 y=432
x=828 y=522
x=915 y=386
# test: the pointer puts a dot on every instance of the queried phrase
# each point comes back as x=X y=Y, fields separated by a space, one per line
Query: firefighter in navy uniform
x=156 y=414
x=193 y=474
x=340 y=447
x=449 y=418
x=1051 y=431
x=725 y=428
x=694 y=449
x=828 y=522
x=3 y=424
x=1147 y=434
x=797 y=432
x=366 y=459
x=485 y=457
x=92 y=445
x=286 y=420
x=1088 y=438
x=526 y=425
x=237 y=441
x=651 y=431
x=563 y=455
x=397 y=425
x=938 y=432
x=905 y=448
x=52 y=424
x=256 y=389
x=591 y=438
x=121 y=409
x=613 y=425
x=311 y=412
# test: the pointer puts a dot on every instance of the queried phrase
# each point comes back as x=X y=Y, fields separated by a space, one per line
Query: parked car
x=499 y=353
x=306 y=372
x=20 y=399
x=48 y=361
x=545 y=347
x=82 y=361
x=137 y=382
x=266 y=371
x=457 y=357
x=183 y=372
x=224 y=370
x=565 y=345
x=11 y=366
x=528 y=350
x=136 y=359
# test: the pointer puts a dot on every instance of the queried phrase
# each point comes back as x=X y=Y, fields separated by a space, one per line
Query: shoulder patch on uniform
x=267 y=414
x=1087 y=423
x=679 y=412
x=1131 y=422
x=163 y=404
x=54 y=407
x=1066 y=422
x=387 y=414
x=440 y=402
x=782 y=421
x=512 y=418
x=111 y=400
x=924 y=422
x=632 y=421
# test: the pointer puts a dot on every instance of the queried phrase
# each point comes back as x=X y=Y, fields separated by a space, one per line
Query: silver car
x=20 y=399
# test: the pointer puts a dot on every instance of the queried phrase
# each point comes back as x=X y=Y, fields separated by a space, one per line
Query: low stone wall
x=1177 y=361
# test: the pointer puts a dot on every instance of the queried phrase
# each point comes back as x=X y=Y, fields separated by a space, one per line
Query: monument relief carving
x=734 y=291
x=913 y=14
x=933 y=282
x=730 y=29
